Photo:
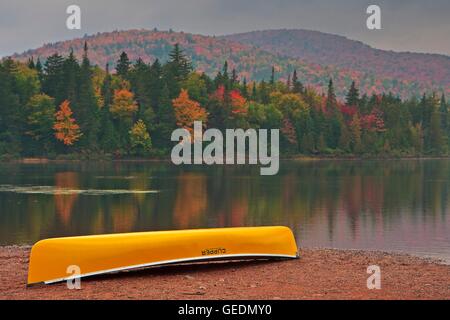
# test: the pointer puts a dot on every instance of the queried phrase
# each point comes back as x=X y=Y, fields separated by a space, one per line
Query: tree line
x=68 y=107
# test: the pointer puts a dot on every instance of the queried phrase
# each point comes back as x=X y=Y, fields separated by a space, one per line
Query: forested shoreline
x=68 y=109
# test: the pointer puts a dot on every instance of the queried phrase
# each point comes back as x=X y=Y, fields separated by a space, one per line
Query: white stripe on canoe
x=226 y=256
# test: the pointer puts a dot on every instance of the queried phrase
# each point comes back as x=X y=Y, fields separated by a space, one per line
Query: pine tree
x=272 y=76
x=39 y=69
x=254 y=92
x=71 y=70
x=264 y=93
x=86 y=110
x=139 y=77
x=10 y=117
x=176 y=70
x=155 y=84
x=443 y=109
x=123 y=65
x=166 y=122
x=108 y=136
x=234 y=79
x=31 y=63
x=352 y=98
x=179 y=64
x=331 y=103
x=53 y=79
x=223 y=79
x=436 y=134
x=244 y=89
x=297 y=86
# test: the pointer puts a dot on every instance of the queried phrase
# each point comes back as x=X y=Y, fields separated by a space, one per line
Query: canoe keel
x=101 y=254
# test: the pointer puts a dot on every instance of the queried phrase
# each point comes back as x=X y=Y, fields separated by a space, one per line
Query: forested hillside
x=62 y=105
x=208 y=53
x=333 y=50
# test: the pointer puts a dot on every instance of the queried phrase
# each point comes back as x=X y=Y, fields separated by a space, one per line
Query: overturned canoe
x=51 y=258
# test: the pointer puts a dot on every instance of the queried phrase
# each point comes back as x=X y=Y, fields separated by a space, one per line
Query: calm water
x=388 y=205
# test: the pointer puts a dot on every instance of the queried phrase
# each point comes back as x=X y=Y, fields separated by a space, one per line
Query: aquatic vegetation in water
x=51 y=190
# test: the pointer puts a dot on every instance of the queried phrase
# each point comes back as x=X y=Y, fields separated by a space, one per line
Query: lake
x=396 y=205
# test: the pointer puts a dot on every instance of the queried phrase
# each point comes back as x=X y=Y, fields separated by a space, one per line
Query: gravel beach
x=318 y=274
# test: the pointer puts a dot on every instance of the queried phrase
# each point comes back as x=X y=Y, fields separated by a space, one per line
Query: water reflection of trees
x=64 y=202
x=339 y=198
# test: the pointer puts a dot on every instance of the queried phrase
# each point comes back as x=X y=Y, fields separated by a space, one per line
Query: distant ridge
x=328 y=49
x=316 y=56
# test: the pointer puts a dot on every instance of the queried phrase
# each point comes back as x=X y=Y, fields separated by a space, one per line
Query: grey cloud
x=408 y=25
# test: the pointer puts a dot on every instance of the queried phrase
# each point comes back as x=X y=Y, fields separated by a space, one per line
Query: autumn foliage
x=187 y=111
x=67 y=131
x=237 y=101
x=124 y=105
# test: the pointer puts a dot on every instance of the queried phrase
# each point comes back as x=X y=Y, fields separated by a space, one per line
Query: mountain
x=254 y=59
x=334 y=50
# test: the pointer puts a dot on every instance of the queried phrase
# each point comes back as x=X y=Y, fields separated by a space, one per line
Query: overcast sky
x=408 y=25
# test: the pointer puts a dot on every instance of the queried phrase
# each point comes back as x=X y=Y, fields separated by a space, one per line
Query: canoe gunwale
x=253 y=256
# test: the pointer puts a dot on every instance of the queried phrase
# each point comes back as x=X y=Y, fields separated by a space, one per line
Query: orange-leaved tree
x=67 y=131
x=124 y=105
x=187 y=111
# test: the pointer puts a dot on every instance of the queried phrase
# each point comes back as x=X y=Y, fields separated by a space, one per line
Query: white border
x=261 y=255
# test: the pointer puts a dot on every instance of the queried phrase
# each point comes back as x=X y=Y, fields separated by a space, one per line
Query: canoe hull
x=50 y=259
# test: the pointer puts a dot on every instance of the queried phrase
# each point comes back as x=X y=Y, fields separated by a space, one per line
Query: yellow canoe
x=98 y=254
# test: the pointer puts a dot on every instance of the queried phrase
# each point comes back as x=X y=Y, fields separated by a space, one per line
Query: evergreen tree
x=436 y=134
x=352 y=98
x=108 y=135
x=53 y=79
x=31 y=63
x=331 y=97
x=40 y=111
x=86 y=110
x=155 y=84
x=39 y=69
x=254 y=92
x=123 y=65
x=179 y=64
x=166 y=122
x=244 y=89
x=222 y=78
x=443 y=109
x=272 y=76
x=264 y=94
x=234 y=78
x=297 y=86
x=139 y=77
x=10 y=127
x=71 y=70
x=176 y=70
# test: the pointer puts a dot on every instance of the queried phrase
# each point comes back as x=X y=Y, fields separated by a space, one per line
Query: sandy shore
x=319 y=274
